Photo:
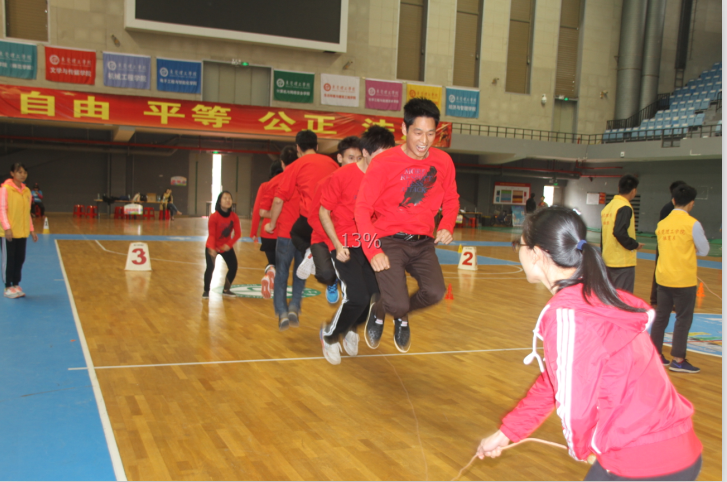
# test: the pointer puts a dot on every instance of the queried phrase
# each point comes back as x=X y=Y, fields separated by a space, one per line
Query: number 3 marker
x=138 y=258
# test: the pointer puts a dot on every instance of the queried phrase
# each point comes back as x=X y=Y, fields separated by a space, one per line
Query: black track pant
x=268 y=246
x=300 y=234
x=230 y=258
x=325 y=272
x=358 y=283
x=13 y=257
x=597 y=472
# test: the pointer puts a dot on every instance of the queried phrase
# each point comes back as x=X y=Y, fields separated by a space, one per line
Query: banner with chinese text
x=383 y=95
x=126 y=71
x=431 y=92
x=18 y=60
x=70 y=65
x=293 y=86
x=339 y=90
x=179 y=76
x=59 y=105
x=511 y=193
x=463 y=102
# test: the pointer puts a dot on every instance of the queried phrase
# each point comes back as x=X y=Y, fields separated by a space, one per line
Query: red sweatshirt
x=319 y=234
x=405 y=194
x=264 y=197
x=302 y=176
x=605 y=380
x=339 y=197
x=223 y=230
x=291 y=208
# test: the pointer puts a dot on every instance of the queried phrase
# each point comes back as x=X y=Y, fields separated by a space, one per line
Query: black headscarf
x=218 y=207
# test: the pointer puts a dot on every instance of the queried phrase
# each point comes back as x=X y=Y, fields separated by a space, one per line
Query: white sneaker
x=350 y=343
x=19 y=291
x=307 y=267
x=10 y=293
x=331 y=351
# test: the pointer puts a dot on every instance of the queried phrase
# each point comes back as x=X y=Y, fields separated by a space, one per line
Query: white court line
x=456 y=352
x=168 y=260
x=103 y=414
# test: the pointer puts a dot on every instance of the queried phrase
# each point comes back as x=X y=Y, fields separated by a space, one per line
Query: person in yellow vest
x=618 y=236
x=15 y=201
x=681 y=239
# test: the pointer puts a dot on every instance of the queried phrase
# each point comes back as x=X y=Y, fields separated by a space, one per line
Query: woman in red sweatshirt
x=224 y=231
x=600 y=372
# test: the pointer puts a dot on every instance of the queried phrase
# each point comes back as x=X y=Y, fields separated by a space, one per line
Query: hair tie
x=580 y=244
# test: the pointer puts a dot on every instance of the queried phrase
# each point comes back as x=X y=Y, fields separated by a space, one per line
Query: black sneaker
x=283 y=323
x=293 y=319
x=664 y=361
x=205 y=295
x=372 y=329
x=402 y=335
x=683 y=367
x=228 y=293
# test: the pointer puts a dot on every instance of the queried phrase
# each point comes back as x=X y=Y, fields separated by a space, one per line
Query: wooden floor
x=276 y=410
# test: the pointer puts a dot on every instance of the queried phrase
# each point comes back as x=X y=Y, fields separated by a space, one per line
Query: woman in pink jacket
x=600 y=372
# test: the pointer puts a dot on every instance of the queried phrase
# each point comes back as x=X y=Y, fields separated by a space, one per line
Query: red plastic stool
x=148 y=212
x=78 y=210
x=119 y=212
x=91 y=212
x=473 y=222
x=163 y=214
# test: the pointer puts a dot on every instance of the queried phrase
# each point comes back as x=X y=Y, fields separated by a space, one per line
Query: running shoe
x=374 y=328
x=10 y=293
x=402 y=335
x=228 y=292
x=205 y=295
x=683 y=367
x=307 y=267
x=283 y=323
x=332 y=293
x=268 y=282
x=350 y=343
x=293 y=319
x=331 y=351
x=19 y=291
x=664 y=361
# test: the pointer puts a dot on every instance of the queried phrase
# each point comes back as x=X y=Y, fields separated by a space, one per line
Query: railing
x=530 y=134
x=669 y=133
x=648 y=112
x=719 y=100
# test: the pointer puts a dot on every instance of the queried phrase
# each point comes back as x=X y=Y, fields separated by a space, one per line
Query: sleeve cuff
x=509 y=434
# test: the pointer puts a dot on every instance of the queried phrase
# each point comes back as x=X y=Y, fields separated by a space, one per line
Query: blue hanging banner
x=18 y=60
x=126 y=71
x=463 y=102
x=179 y=76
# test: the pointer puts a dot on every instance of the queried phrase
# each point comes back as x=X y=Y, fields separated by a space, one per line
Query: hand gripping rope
x=591 y=458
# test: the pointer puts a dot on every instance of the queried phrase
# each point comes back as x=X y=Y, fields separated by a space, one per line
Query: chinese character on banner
x=217 y=116
x=34 y=103
x=275 y=124
x=382 y=122
x=91 y=108
x=61 y=65
x=165 y=110
x=320 y=123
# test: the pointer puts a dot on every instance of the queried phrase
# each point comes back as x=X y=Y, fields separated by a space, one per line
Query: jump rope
x=591 y=458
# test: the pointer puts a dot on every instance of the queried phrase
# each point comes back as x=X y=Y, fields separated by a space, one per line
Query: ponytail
x=561 y=233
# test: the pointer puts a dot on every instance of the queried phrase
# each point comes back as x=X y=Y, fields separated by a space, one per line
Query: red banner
x=50 y=104
x=70 y=65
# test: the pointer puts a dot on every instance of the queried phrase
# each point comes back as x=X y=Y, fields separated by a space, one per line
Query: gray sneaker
x=293 y=319
x=350 y=343
x=402 y=335
x=331 y=351
x=683 y=367
x=283 y=323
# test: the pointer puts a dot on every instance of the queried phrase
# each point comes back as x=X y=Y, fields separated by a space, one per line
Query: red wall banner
x=70 y=65
x=50 y=104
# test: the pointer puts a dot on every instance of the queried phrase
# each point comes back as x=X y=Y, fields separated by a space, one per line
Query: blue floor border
x=52 y=429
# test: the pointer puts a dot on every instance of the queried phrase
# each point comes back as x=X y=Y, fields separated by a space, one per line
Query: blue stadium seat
x=620 y=134
x=690 y=120
x=699 y=119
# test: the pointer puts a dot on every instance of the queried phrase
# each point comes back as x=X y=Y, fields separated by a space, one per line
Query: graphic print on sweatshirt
x=228 y=230
x=421 y=182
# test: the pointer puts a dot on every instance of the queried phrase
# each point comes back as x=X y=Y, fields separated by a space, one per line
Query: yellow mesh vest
x=615 y=255
x=677 y=263
x=18 y=212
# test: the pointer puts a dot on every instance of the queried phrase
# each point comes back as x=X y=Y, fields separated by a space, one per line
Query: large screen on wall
x=315 y=24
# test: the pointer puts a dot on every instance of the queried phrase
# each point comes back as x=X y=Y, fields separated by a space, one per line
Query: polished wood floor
x=234 y=399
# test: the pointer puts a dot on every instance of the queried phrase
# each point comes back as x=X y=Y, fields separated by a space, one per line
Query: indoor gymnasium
x=552 y=152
